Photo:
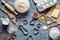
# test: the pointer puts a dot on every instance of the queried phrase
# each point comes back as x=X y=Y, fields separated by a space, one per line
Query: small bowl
x=35 y=15
x=42 y=17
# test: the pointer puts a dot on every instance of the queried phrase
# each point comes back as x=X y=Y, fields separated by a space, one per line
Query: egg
x=46 y=0
x=44 y=6
x=42 y=18
x=51 y=3
x=42 y=2
x=47 y=5
x=54 y=0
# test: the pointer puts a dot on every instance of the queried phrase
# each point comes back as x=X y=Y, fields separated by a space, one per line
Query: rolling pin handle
x=15 y=13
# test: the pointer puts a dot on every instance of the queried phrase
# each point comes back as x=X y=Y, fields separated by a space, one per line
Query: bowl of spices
x=22 y=5
x=35 y=15
x=4 y=35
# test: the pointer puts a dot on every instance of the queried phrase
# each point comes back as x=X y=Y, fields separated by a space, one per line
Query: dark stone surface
x=43 y=35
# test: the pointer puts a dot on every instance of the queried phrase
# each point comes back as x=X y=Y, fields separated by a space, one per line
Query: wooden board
x=50 y=12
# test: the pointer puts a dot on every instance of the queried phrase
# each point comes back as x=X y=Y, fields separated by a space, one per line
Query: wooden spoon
x=8 y=14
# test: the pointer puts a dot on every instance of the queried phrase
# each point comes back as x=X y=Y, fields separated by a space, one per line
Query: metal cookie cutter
x=25 y=22
x=38 y=25
x=24 y=30
x=35 y=31
x=30 y=37
x=32 y=22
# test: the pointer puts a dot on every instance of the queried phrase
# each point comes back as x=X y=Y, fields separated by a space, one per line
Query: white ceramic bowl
x=25 y=4
x=54 y=33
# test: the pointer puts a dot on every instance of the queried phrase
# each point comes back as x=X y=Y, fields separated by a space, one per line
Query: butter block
x=55 y=13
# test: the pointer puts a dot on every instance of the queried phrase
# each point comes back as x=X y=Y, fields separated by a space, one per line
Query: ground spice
x=4 y=35
x=35 y=15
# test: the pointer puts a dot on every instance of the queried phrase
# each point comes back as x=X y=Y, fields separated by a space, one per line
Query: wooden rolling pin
x=9 y=7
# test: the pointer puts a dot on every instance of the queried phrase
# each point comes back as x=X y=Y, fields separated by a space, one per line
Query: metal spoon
x=47 y=27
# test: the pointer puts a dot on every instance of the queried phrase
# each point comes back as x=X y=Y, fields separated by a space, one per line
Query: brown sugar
x=35 y=15
x=4 y=35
